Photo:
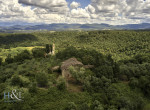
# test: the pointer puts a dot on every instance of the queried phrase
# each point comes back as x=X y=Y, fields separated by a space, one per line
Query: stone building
x=66 y=64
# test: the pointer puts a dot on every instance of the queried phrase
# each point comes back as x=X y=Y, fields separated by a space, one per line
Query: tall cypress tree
x=47 y=48
x=0 y=61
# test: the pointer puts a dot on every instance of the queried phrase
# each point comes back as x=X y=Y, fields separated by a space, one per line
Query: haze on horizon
x=114 y=12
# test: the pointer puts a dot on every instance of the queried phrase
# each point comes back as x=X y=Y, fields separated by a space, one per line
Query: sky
x=83 y=3
x=114 y=12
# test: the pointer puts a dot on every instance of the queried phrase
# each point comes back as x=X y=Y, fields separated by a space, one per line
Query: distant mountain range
x=54 y=27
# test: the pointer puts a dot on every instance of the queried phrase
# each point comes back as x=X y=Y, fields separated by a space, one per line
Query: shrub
x=134 y=82
x=20 y=81
x=38 y=52
x=79 y=75
x=25 y=81
x=33 y=88
x=61 y=83
x=23 y=56
x=84 y=106
x=2 y=86
x=16 y=80
x=9 y=59
x=97 y=105
x=104 y=70
x=112 y=108
x=71 y=106
x=42 y=79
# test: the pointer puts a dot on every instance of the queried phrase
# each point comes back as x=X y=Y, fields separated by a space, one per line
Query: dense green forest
x=119 y=79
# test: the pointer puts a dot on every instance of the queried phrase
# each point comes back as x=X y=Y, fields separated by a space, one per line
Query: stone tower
x=53 y=49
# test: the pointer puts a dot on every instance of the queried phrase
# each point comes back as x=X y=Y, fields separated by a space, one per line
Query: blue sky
x=83 y=3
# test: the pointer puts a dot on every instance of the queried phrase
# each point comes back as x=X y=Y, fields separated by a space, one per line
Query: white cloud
x=56 y=6
x=57 y=11
x=129 y=11
x=13 y=10
x=136 y=9
x=90 y=8
x=74 y=5
x=104 y=7
x=79 y=13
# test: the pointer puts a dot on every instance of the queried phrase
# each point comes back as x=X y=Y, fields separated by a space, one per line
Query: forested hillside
x=121 y=44
x=118 y=80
